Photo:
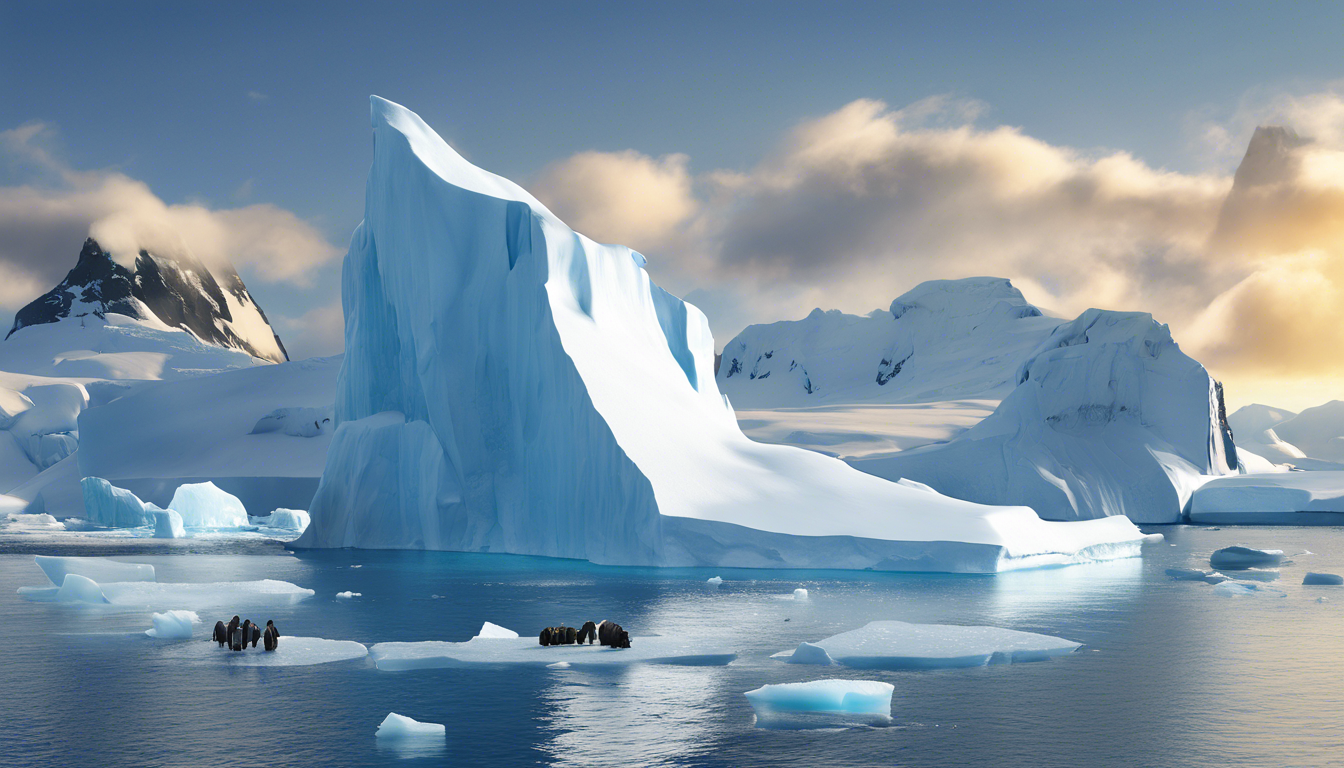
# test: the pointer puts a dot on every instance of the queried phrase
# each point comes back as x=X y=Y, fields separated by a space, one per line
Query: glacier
x=1109 y=417
x=510 y=385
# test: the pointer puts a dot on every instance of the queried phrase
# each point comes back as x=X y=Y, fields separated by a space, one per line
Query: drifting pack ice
x=509 y=385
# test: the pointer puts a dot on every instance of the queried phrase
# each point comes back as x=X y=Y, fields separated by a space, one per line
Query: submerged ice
x=503 y=651
x=509 y=385
x=901 y=645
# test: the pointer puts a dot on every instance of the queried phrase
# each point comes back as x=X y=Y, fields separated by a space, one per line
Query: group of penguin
x=607 y=633
x=237 y=636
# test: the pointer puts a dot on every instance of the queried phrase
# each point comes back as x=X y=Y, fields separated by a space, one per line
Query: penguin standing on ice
x=270 y=639
x=256 y=635
x=221 y=634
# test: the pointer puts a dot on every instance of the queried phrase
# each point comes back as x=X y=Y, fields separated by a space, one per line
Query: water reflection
x=412 y=747
x=1016 y=595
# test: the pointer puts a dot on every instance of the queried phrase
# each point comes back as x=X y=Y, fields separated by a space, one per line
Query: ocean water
x=1170 y=673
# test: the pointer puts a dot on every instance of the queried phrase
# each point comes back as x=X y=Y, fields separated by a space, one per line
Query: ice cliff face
x=1109 y=418
x=178 y=292
x=511 y=386
x=944 y=339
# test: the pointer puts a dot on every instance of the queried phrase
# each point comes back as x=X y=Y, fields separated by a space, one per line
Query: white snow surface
x=99 y=569
x=901 y=645
x=173 y=625
x=292 y=651
x=782 y=704
x=1109 y=418
x=943 y=340
x=489 y=630
x=1282 y=498
x=1310 y=440
x=204 y=505
x=512 y=386
x=435 y=654
x=396 y=726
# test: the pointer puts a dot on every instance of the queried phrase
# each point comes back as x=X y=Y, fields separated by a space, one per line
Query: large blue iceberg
x=509 y=385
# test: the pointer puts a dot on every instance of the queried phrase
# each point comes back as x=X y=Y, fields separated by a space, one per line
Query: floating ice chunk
x=714 y=581
x=173 y=625
x=800 y=594
x=899 y=645
x=435 y=654
x=288 y=519
x=38 y=522
x=348 y=595
x=807 y=653
x=1256 y=574
x=204 y=505
x=112 y=507
x=495 y=631
x=251 y=594
x=396 y=726
x=80 y=589
x=99 y=569
x=293 y=651
x=1238 y=588
x=1154 y=538
x=1239 y=558
x=168 y=524
x=1322 y=580
x=558 y=665
x=821 y=703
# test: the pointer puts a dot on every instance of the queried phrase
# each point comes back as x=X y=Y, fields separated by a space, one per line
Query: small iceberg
x=800 y=594
x=714 y=581
x=807 y=653
x=900 y=645
x=349 y=595
x=396 y=726
x=489 y=630
x=407 y=738
x=822 y=704
x=1322 y=580
x=1240 y=558
x=173 y=625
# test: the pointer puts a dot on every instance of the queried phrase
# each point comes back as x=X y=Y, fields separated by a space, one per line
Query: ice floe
x=349 y=595
x=1322 y=579
x=1239 y=588
x=901 y=645
x=99 y=569
x=1240 y=558
x=263 y=593
x=822 y=703
x=173 y=625
x=435 y=654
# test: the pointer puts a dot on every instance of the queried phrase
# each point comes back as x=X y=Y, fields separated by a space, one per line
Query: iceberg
x=509 y=385
x=396 y=726
x=168 y=524
x=489 y=630
x=822 y=703
x=1279 y=498
x=203 y=505
x=1109 y=417
x=1322 y=579
x=900 y=645
x=500 y=651
x=289 y=519
x=807 y=653
x=1240 y=558
x=112 y=507
x=714 y=581
x=98 y=569
x=800 y=594
x=173 y=625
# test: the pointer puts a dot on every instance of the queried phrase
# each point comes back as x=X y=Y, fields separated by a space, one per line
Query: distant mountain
x=173 y=292
x=942 y=340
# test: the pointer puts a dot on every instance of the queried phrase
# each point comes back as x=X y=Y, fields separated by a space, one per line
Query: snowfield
x=511 y=386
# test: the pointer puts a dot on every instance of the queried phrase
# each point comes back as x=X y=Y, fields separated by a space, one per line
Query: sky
x=766 y=157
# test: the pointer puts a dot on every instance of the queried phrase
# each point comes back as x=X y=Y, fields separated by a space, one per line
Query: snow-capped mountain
x=510 y=385
x=943 y=340
x=161 y=292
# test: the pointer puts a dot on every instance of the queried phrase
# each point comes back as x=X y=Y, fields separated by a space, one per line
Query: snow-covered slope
x=161 y=292
x=1253 y=425
x=1317 y=432
x=943 y=340
x=1109 y=418
x=512 y=386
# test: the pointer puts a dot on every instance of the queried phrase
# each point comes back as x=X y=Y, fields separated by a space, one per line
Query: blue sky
x=267 y=103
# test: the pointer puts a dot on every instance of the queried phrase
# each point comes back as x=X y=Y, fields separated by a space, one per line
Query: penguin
x=256 y=635
x=247 y=632
x=221 y=633
x=571 y=636
x=588 y=633
x=236 y=639
x=545 y=637
x=611 y=634
x=270 y=638
x=233 y=624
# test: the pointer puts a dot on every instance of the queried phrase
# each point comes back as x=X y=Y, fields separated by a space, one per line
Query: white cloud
x=318 y=332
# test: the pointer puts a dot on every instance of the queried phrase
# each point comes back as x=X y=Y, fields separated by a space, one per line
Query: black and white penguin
x=587 y=633
x=236 y=639
x=233 y=624
x=270 y=639
x=256 y=635
x=545 y=637
x=221 y=633
x=247 y=632
x=571 y=636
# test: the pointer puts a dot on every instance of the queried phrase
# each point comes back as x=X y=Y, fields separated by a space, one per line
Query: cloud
x=620 y=197
x=852 y=208
x=43 y=225
x=318 y=332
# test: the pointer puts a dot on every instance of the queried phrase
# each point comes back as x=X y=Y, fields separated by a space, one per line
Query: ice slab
x=1241 y=558
x=1322 y=580
x=489 y=630
x=822 y=703
x=99 y=569
x=204 y=505
x=173 y=625
x=1239 y=588
x=264 y=593
x=396 y=726
x=1279 y=498
x=435 y=654
x=168 y=524
x=901 y=645
x=293 y=651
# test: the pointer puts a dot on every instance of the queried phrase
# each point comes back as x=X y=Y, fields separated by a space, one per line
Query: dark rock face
x=181 y=292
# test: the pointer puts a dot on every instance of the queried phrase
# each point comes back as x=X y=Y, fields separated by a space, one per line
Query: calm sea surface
x=1170 y=674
